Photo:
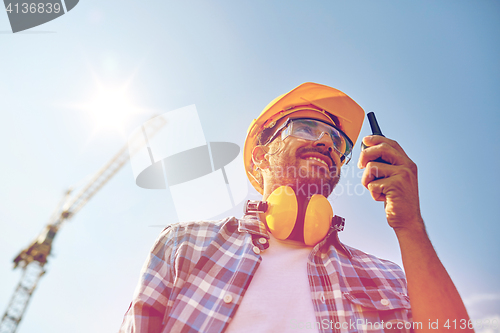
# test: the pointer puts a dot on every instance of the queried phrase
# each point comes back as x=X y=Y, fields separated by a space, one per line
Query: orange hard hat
x=328 y=101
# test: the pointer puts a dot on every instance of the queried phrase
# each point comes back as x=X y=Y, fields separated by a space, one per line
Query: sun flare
x=111 y=108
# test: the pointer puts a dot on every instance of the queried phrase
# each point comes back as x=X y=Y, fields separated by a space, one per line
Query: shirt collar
x=333 y=238
x=252 y=224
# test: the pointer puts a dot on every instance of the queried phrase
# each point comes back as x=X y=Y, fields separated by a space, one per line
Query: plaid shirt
x=197 y=274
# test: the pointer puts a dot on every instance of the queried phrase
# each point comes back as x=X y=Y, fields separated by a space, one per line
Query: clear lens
x=312 y=130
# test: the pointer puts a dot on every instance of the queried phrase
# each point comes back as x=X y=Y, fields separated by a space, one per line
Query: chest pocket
x=380 y=310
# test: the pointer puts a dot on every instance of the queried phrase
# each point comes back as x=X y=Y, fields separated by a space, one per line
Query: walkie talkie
x=375 y=131
x=374 y=124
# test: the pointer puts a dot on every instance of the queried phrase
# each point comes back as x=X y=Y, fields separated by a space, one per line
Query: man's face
x=309 y=167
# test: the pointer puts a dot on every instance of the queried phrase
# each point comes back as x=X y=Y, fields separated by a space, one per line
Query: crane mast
x=33 y=258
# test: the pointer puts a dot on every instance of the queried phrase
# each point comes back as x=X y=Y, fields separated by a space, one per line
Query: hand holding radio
x=391 y=176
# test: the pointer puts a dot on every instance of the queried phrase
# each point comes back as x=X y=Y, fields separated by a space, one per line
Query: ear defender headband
x=281 y=211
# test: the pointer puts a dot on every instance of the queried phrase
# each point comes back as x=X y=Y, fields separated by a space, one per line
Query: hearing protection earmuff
x=282 y=211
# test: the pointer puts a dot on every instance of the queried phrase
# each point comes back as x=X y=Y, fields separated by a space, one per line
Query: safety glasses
x=313 y=129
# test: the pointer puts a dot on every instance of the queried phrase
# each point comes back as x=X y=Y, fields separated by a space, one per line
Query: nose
x=326 y=141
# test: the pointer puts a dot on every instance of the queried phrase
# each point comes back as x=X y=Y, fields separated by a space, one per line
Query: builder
x=282 y=267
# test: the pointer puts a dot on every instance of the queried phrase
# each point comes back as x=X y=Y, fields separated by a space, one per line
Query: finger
x=376 y=189
x=377 y=170
x=383 y=151
x=373 y=140
x=388 y=150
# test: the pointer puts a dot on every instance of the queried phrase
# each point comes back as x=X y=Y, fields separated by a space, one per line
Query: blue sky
x=429 y=70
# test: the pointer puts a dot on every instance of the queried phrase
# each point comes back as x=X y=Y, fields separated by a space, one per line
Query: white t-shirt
x=279 y=297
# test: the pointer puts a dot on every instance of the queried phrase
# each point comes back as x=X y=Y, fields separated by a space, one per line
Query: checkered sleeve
x=150 y=301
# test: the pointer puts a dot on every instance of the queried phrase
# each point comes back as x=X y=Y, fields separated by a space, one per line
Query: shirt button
x=262 y=240
x=228 y=298
x=256 y=250
x=323 y=255
x=322 y=298
x=384 y=302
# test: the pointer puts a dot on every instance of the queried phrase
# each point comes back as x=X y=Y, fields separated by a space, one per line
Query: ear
x=259 y=157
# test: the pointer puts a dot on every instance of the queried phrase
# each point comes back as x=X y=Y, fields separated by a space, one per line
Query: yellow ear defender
x=281 y=212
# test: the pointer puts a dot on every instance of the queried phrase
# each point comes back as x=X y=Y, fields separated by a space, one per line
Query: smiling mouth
x=317 y=159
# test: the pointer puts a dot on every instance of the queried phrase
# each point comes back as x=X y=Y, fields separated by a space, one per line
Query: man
x=282 y=268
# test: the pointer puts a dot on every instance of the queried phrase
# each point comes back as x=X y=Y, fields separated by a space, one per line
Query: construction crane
x=33 y=258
